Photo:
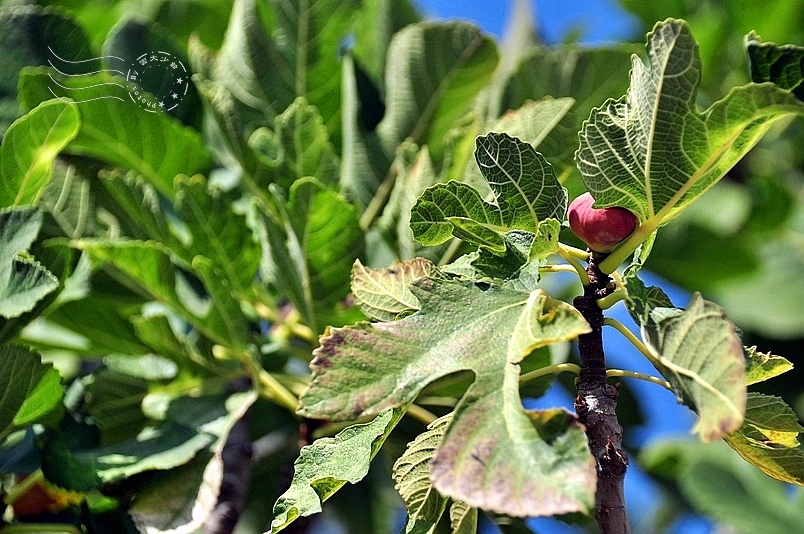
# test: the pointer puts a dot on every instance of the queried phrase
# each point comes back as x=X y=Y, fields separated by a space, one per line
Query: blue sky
x=597 y=21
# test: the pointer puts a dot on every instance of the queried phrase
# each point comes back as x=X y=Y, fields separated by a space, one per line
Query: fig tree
x=601 y=229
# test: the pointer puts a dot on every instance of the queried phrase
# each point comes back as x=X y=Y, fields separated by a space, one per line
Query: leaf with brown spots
x=495 y=455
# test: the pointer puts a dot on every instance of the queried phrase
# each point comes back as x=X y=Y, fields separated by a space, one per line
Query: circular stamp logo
x=159 y=81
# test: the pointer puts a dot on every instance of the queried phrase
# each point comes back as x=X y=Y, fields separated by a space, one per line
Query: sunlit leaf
x=325 y=466
x=164 y=446
x=383 y=294
x=376 y=24
x=367 y=368
x=100 y=321
x=588 y=75
x=434 y=73
x=770 y=438
x=415 y=172
x=146 y=266
x=310 y=248
x=130 y=39
x=761 y=366
x=29 y=150
x=463 y=518
x=698 y=351
x=155 y=331
x=652 y=152
x=114 y=402
x=33 y=35
x=548 y=124
x=136 y=204
x=301 y=43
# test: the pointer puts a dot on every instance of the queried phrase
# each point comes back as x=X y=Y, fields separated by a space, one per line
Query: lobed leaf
x=547 y=124
x=26 y=33
x=699 y=352
x=302 y=42
x=526 y=193
x=652 y=153
x=136 y=205
x=463 y=518
x=770 y=438
x=364 y=369
x=99 y=319
x=114 y=401
x=328 y=464
x=147 y=267
x=587 y=75
x=434 y=74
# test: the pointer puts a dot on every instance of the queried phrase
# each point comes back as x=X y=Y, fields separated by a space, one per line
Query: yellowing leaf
x=769 y=439
x=383 y=294
x=762 y=366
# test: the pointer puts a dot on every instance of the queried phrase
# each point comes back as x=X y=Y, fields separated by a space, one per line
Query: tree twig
x=596 y=404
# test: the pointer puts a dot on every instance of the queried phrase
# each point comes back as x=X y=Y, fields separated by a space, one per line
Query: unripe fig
x=602 y=229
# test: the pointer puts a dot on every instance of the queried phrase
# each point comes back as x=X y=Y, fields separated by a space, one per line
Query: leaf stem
x=269 y=387
x=624 y=249
x=622 y=329
x=452 y=249
x=549 y=370
x=557 y=268
x=380 y=198
x=568 y=255
x=273 y=390
x=575 y=252
x=610 y=300
x=633 y=374
x=420 y=414
x=60 y=528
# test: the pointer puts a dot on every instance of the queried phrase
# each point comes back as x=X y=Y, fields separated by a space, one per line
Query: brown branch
x=596 y=404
